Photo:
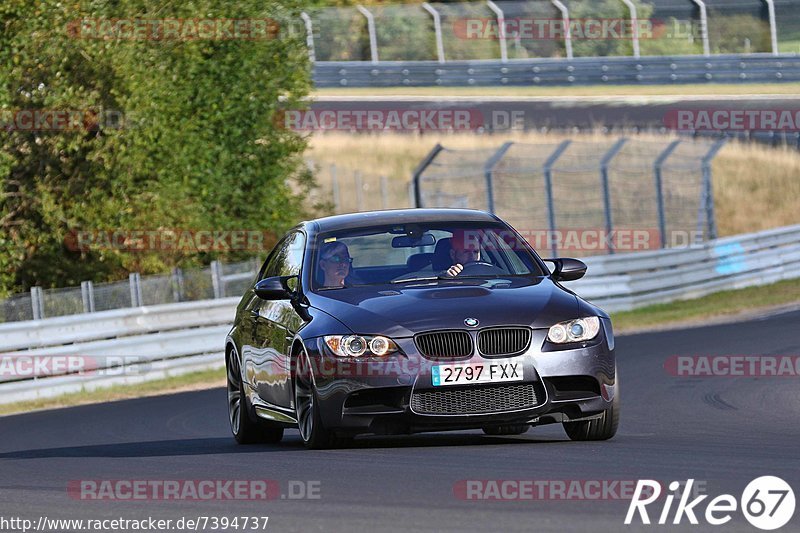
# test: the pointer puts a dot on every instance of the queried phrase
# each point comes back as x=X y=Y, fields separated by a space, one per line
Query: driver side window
x=287 y=258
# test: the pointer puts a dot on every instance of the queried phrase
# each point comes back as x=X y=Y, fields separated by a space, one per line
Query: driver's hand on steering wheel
x=454 y=270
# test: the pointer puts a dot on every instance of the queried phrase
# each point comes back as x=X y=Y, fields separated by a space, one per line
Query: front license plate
x=474 y=373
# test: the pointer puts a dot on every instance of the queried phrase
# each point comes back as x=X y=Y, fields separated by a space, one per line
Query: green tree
x=185 y=134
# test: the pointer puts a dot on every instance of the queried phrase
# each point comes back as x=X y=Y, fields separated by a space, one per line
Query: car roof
x=398 y=216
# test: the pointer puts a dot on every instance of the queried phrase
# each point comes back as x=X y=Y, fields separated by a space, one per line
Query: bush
x=179 y=134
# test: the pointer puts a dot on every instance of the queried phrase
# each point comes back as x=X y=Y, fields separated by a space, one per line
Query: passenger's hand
x=454 y=270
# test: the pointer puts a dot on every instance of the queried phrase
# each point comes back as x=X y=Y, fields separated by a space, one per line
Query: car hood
x=403 y=310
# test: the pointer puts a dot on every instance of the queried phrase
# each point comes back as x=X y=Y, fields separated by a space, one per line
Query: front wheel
x=602 y=428
x=245 y=430
x=309 y=422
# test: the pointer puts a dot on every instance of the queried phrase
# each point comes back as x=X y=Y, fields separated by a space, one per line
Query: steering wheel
x=480 y=268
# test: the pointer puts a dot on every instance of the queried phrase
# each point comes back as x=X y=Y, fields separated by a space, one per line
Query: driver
x=463 y=250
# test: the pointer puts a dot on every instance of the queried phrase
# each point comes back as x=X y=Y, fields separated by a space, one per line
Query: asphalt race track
x=722 y=431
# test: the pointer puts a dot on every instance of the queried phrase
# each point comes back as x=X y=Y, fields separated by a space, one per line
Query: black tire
x=507 y=429
x=602 y=428
x=245 y=429
x=306 y=403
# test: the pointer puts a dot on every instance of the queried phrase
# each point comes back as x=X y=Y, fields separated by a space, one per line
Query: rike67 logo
x=767 y=503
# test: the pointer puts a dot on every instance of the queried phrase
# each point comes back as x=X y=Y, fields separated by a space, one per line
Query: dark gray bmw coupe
x=414 y=320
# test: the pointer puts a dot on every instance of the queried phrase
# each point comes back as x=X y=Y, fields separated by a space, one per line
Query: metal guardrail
x=627 y=281
x=184 y=337
x=218 y=280
x=732 y=68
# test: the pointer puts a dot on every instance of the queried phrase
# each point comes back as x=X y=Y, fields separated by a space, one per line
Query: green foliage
x=727 y=33
x=186 y=136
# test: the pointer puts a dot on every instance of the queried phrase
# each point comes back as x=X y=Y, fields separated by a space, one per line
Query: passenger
x=335 y=263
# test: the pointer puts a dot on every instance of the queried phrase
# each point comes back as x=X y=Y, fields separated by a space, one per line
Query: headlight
x=358 y=345
x=581 y=329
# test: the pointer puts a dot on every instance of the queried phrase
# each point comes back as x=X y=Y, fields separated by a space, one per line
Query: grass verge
x=714 y=307
x=710 y=89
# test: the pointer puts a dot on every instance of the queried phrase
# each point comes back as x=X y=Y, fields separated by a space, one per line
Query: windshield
x=419 y=252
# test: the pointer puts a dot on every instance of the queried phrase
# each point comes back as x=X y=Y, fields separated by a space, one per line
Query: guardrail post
x=501 y=29
x=613 y=151
x=415 y=177
x=87 y=296
x=634 y=26
x=488 y=170
x=708 y=190
x=437 y=30
x=567 y=32
x=134 y=281
x=373 y=38
x=312 y=56
x=659 y=162
x=773 y=27
x=37 y=303
x=548 y=187
x=216 y=279
x=703 y=26
x=177 y=284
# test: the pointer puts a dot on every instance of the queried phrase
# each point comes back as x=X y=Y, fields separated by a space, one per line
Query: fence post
x=548 y=187
x=501 y=30
x=659 y=162
x=373 y=39
x=312 y=56
x=437 y=30
x=773 y=28
x=708 y=190
x=416 y=176
x=703 y=26
x=136 y=289
x=177 y=284
x=87 y=295
x=565 y=20
x=634 y=26
x=359 y=183
x=335 y=187
x=216 y=279
x=384 y=192
x=612 y=152
x=488 y=170
x=37 y=303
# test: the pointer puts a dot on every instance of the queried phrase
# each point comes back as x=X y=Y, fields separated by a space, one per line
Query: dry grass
x=755 y=186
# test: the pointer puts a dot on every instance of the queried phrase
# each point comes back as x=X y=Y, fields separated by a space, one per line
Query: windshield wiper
x=426 y=278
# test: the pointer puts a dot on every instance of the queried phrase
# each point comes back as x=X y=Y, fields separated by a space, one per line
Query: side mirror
x=567 y=269
x=274 y=288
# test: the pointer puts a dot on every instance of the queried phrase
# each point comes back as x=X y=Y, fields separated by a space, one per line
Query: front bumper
x=378 y=396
